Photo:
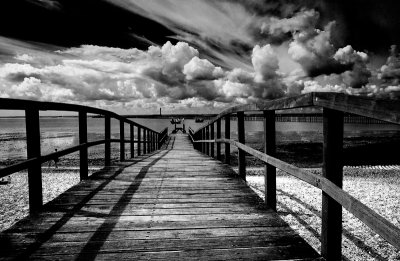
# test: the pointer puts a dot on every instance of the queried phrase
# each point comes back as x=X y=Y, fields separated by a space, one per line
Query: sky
x=196 y=56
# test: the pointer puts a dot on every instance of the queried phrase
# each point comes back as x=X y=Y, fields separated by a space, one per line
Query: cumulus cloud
x=303 y=20
x=359 y=74
x=265 y=63
x=227 y=53
x=170 y=73
x=201 y=69
x=390 y=71
x=314 y=50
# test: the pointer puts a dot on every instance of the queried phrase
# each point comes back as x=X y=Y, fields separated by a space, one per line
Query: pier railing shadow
x=334 y=106
x=147 y=141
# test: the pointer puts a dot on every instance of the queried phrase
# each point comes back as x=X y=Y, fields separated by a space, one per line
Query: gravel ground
x=299 y=204
x=14 y=195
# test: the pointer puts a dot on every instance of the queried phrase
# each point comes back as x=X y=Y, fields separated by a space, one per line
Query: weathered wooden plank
x=273 y=253
x=158 y=206
x=174 y=244
x=81 y=217
x=134 y=223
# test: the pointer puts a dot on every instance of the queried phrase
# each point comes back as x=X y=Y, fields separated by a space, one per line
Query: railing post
x=148 y=141
x=154 y=141
x=157 y=141
x=150 y=138
x=132 y=140
x=144 y=141
x=122 y=140
x=332 y=169
x=83 y=152
x=139 y=139
x=33 y=151
x=270 y=149
x=227 y=136
x=207 y=129
x=107 y=144
x=241 y=139
x=212 y=137
x=218 y=137
x=203 y=145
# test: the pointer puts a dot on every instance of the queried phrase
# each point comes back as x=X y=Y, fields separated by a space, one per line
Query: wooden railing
x=333 y=196
x=146 y=137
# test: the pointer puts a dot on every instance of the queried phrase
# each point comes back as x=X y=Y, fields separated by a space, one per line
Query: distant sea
x=60 y=133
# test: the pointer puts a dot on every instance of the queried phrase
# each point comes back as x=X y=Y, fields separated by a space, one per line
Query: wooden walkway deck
x=175 y=204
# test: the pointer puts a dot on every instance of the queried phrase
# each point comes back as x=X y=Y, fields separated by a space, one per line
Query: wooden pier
x=173 y=204
x=174 y=201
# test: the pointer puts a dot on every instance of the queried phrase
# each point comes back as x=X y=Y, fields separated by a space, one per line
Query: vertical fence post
x=144 y=141
x=207 y=129
x=212 y=137
x=227 y=136
x=196 y=137
x=150 y=138
x=33 y=151
x=332 y=169
x=83 y=152
x=148 y=135
x=154 y=140
x=107 y=137
x=122 y=140
x=241 y=139
x=139 y=140
x=132 y=140
x=218 y=137
x=270 y=149
x=203 y=145
x=148 y=141
x=151 y=141
x=157 y=141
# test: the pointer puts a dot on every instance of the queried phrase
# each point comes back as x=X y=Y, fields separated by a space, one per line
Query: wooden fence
x=334 y=106
x=147 y=141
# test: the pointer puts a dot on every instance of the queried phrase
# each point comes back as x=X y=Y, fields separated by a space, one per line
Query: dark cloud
x=390 y=72
x=366 y=24
x=77 y=22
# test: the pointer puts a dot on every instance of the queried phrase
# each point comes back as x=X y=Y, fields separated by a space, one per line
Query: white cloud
x=348 y=55
x=313 y=49
x=265 y=63
x=301 y=21
x=201 y=69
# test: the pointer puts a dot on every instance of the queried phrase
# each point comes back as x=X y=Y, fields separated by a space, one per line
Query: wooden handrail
x=18 y=104
x=380 y=109
x=162 y=135
x=372 y=219
x=334 y=105
x=35 y=159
